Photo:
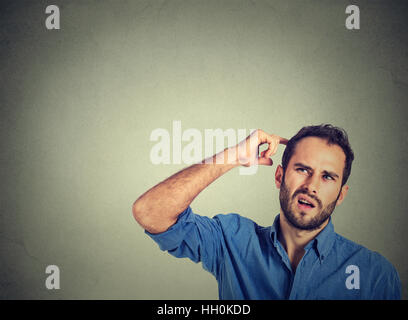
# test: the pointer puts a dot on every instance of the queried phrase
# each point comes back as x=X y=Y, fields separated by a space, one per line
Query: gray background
x=78 y=106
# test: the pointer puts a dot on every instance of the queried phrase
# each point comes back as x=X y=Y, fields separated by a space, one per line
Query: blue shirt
x=249 y=262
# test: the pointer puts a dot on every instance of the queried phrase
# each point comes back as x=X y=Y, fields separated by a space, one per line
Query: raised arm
x=158 y=208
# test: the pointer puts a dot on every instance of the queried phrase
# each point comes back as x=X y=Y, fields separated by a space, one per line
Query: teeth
x=304 y=201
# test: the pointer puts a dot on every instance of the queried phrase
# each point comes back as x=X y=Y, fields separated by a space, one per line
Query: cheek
x=330 y=194
x=296 y=184
x=294 y=181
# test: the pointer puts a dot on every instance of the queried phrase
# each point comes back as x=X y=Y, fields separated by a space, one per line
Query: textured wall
x=78 y=105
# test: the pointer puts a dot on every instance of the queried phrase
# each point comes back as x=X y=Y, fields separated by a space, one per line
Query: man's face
x=310 y=188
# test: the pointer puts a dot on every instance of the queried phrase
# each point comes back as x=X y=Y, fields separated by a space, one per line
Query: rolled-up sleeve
x=196 y=237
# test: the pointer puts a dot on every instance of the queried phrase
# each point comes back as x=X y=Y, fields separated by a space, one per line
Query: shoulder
x=371 y=263
x=349 y=248
x=234 y=224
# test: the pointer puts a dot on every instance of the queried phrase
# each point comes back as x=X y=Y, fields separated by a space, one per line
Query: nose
x=312 y=183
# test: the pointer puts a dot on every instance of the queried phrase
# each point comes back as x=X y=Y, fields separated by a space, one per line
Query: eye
x=328 y=177
x=301 y=170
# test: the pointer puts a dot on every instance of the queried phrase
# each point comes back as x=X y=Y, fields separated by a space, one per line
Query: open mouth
x=303 y=203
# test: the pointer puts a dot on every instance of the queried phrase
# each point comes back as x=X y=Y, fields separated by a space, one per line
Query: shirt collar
x=274 y=231
x=323 y=242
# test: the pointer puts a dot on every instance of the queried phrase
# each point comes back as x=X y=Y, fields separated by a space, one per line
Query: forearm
x=158 y=208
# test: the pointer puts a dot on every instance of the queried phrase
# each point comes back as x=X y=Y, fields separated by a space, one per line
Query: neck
x=294 y=240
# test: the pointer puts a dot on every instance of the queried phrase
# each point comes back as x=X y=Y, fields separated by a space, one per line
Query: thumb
x=265 y=161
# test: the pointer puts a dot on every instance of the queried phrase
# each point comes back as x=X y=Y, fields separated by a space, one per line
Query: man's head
x=312 y=180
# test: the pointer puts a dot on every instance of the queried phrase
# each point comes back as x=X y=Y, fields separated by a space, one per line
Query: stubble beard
x=315 y=223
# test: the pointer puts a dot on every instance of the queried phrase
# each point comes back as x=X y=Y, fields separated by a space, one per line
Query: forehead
x=318 y=154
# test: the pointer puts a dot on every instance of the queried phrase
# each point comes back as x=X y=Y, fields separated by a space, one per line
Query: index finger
x=283 y=141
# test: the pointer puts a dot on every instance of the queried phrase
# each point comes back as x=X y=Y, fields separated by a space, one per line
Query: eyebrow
x=299 y=164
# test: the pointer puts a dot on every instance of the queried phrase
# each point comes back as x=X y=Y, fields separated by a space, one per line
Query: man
x=299 y=256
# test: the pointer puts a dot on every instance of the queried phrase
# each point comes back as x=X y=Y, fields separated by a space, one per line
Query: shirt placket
x=297 y=277
x=286 y=262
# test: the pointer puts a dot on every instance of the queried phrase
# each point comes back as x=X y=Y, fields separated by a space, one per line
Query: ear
x=278 y=176
x=343 y=193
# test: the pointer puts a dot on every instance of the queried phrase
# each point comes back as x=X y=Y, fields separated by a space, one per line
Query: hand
x=247 y=150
